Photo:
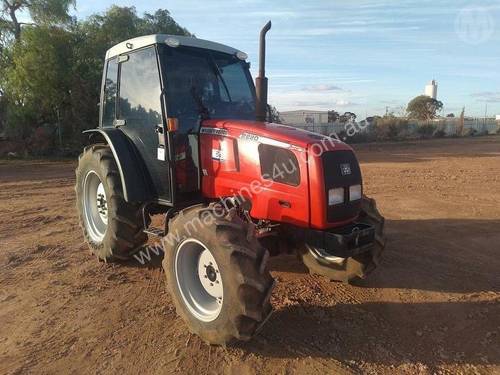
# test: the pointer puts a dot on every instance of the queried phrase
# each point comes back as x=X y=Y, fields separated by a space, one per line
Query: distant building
x=498 y=117
x=431 y=89
x=304 y=117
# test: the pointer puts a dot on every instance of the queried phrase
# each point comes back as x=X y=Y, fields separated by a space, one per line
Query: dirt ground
x=432 y=307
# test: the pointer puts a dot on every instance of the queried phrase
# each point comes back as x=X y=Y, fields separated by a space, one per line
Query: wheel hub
x=208 y=273
x=211 y=275
x=102 y=204
x=199 y=280
x=95 y=207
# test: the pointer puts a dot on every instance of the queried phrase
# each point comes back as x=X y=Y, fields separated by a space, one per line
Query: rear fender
x=135 y=180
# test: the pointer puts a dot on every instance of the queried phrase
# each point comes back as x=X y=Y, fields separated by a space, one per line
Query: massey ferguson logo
x=345 y=169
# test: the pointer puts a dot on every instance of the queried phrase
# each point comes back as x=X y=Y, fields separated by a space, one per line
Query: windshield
x=207 y=84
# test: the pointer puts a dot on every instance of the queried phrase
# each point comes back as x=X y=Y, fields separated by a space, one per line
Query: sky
x=363 y=56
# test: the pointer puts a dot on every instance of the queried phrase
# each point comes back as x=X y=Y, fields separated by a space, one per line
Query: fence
x=450 y=126
x=479 y=125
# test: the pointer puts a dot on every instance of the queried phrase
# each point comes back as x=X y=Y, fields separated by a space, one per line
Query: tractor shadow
x=384 y=333
x=448 y=256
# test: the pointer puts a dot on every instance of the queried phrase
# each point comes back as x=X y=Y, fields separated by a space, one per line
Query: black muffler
x=261 y=80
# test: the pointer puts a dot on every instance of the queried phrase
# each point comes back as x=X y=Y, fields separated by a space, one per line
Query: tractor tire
x=112 y=228
x=356 y=267
x=217 y=274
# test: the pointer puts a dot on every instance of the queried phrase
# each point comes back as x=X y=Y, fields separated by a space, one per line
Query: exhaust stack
x=261 y=80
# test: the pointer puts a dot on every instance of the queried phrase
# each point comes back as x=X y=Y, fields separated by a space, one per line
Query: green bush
x=471 y=132
x=440 y=133
x=391 y=128
x=42 y=141
x=426 y=130
x=358 y=137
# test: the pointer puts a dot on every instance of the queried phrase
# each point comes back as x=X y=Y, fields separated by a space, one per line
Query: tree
x=274 y=115
x=161 y=22
x=38 y=83
x=51 y=76
x=450 y=115
x=333 y=116
x=45 y=12
x=424 y=108
x=347 y=117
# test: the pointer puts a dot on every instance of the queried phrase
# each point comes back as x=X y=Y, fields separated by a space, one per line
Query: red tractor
x=183 y=133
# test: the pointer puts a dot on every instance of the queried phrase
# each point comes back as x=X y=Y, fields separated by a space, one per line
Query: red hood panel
x=279 y=132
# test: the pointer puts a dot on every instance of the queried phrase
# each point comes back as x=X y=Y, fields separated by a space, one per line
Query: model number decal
x=214 y=131
x=249 y=137
x=268 y=141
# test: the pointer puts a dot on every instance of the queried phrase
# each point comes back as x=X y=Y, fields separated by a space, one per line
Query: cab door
x=139 y=115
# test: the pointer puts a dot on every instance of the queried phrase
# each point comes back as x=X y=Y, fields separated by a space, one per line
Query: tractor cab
x=159 y=88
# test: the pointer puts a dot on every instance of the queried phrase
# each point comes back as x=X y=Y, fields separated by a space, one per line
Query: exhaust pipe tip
x=261 y=80
x=262 y=49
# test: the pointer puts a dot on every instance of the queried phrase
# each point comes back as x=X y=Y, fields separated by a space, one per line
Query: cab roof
x=148 y=40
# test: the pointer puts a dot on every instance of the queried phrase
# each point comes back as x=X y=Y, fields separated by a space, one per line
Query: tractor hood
x=236 y=154
x=278 y=132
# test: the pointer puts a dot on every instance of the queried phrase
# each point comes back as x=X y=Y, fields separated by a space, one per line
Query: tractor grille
x=336 y=168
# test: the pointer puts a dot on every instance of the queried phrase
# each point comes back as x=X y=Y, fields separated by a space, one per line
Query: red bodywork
x=231 y=166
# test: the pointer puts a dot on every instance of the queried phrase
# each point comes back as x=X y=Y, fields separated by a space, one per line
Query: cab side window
x=140 y=88
x=110 y=89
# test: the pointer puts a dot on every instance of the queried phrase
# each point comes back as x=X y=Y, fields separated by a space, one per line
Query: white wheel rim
x=199 y=280
x=95 y=207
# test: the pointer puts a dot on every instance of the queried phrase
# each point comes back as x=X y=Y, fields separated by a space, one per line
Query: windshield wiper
x=218 y=73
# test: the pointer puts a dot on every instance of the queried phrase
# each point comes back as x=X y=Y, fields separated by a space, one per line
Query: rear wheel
x=217 y=274
x=112 y=227
x=357 y=267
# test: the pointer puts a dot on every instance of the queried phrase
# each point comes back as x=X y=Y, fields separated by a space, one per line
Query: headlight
x=355 y=192
x=335 y=196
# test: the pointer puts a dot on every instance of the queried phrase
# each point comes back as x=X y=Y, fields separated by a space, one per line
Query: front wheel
x=217 y=274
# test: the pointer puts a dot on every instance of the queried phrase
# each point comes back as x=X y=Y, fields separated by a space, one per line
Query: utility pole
x=485 y=114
